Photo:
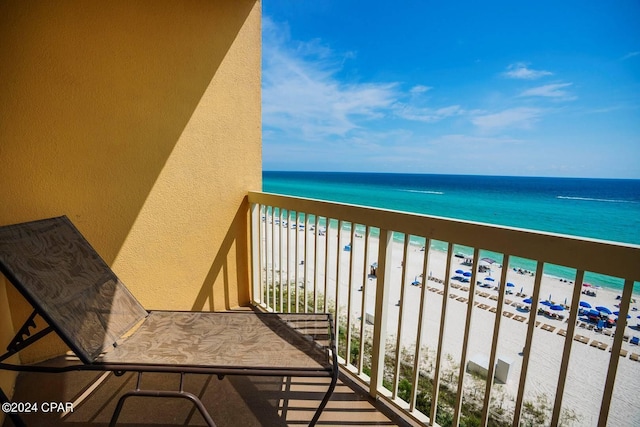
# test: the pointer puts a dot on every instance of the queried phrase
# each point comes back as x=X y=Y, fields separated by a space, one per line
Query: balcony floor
x=232 y=401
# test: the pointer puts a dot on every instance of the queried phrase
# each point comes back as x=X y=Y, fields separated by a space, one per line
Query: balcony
x=492 y=323
x=428 y=310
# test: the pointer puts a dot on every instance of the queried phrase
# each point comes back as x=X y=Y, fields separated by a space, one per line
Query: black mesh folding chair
x=69 y=286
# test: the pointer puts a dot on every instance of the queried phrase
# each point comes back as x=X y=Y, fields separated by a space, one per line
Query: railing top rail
x=598 y=256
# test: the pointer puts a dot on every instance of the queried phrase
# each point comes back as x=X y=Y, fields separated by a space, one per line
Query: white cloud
x=427 y=115
x=302 y=95
x=519 y=117
x=459 y=140
x=420 y=89
x=550 y=91
x=519 y=70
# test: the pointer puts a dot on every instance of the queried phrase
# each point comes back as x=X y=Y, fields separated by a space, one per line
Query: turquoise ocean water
x=607 y=209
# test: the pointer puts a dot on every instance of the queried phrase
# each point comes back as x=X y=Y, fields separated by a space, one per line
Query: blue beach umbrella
x=510 y=285
x=489 y=279
x=585 y=304
x=603 y=309
x=459 y=272
x=547 y=303
x=529 y=301
x=557 y=307
x=467 y=274
x=617 y=313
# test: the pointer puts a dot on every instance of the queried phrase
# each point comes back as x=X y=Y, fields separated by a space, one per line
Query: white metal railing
x=355 y=261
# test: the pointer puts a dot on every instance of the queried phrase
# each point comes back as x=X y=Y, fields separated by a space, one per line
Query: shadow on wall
x=235 y=246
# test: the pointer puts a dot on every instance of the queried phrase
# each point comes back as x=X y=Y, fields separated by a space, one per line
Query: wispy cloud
x=420 y=89
x=630 y=55
x=458 y=140
x=520 y=70
x=519 y=117
x=550 y=91
x=427 y=115
x=303 y=95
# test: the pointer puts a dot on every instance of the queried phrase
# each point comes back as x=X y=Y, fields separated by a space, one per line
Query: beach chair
x=80 y=298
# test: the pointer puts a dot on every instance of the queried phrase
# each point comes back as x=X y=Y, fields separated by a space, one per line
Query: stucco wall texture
x=140 y=121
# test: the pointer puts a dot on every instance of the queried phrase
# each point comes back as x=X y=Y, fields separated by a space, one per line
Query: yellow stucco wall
x=141 y=122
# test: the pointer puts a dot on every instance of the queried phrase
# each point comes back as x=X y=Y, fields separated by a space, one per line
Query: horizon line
x=450 y=174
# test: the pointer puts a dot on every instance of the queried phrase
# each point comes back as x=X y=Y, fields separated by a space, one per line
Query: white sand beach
x=590 y=351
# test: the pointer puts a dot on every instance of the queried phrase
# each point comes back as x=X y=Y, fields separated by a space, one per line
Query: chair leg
x=166 y=394
x=325 y=399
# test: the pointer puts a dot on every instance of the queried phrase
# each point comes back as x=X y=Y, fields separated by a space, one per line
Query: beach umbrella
x=557 y=307
x=547 y=303
x=459 y=272
x=617 y=313
x=529 y=301
x=510 y=285
x=603 y=309
x=489 y=279
x=467 y=274
x=585 y=304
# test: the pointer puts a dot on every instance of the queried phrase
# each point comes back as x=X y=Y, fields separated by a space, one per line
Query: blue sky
x=501 y=88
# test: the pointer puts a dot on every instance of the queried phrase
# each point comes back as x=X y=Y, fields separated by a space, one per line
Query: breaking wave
x=424 y=192
x=591 y=199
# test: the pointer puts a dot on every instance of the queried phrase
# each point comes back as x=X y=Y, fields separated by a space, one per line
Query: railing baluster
x=272 y=303
x=289 y=275
x=494 y=343
x=363 y=305
x=609 y=384
x=305 y=273
x=415 y=379
x=350 y=282
x=256 y=273
x=465 y=341
x=267 y=254
x=338 y=275
x=281 y=262
x=316 y=270
x=405 y=265
x=443 y=312
x=527 y=346
x=296 y=279
x=566 y=353
x=327 y=231
x=385 y=249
